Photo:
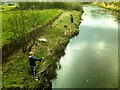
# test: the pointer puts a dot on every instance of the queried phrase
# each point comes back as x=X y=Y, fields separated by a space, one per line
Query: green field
x=32 y=19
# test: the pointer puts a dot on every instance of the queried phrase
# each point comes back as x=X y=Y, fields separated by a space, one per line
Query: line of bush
x=50 y=5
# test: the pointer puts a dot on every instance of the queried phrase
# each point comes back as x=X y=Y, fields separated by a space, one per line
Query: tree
x=21 y=23
x=17 y=26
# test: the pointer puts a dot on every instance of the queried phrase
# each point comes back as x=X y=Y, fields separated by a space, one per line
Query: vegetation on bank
x=15 y=72
x=42 y=5
x=115 y=6
x=51 y=5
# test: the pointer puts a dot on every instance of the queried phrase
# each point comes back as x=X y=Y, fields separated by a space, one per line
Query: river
x=91 y=58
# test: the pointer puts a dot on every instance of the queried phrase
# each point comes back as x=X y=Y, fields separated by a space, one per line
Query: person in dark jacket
x=71 y=18
x=32 y=63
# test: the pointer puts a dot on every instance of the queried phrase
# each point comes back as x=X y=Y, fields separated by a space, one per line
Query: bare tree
x=17 y=26
x=20 y=23
x=23 y=32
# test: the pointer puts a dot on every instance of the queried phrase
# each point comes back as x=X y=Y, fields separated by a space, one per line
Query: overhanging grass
x=15 y=72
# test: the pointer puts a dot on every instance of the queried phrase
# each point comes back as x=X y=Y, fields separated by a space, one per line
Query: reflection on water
x=101 y=45
x=93 y=17
x=91 y=59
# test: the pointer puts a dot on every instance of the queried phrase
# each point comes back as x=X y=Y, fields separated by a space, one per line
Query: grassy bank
x=16 y=72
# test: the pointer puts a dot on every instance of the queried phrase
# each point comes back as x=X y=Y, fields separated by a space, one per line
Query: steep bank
x=15 y=72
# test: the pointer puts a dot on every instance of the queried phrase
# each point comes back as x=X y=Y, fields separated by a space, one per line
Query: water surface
x=91 y=59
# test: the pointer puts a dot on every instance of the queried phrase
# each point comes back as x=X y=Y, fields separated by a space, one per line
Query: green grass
x=15 y=72
x=32 y=18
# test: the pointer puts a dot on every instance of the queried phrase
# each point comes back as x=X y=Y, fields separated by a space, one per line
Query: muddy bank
x=15 y=45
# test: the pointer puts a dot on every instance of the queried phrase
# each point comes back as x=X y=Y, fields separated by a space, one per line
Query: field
x=32 y=19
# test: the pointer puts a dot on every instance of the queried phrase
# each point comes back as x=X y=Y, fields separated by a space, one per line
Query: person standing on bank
x=32 y=63
x=71 y=18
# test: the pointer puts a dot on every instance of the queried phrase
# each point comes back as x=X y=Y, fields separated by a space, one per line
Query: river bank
x=16 y=72
x=114 y=6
